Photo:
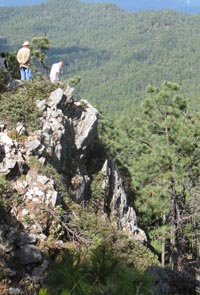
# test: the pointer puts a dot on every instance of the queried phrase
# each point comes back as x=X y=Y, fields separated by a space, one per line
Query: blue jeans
x=25 y=74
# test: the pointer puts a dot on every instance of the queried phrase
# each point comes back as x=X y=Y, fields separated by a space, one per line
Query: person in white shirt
x=55 y=71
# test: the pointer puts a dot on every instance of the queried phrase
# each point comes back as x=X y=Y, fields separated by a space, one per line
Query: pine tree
x=164 y=153
x=39 y=46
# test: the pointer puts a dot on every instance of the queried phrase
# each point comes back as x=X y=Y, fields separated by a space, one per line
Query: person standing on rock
x=24 y=60
x=55 y=71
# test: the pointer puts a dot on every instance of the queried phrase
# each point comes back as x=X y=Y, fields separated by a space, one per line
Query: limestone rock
x=85 y=126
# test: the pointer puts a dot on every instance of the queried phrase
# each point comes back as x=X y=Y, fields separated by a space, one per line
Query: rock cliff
x=67 y=143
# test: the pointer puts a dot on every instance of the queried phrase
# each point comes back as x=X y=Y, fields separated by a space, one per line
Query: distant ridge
x=117 y=54
x=186 y=6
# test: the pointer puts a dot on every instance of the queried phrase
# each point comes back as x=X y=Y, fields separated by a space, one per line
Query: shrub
x=4 y=79
x=20 y=105
x=5 y=192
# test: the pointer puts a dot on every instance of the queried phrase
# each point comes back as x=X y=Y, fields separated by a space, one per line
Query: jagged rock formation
x=66 y=137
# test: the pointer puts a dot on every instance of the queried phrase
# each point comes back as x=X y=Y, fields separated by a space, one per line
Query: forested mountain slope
x=117 y=54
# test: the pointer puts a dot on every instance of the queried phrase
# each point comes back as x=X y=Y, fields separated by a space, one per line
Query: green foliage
x=43 y=292
x=135 y=254
x=35 y=163
x=98 y=230
x=5 y=193
x=101 y=272
x=97 y=192
x=74 y=81
x=20 y=105
x=19 y=108
x=159 y=147
x=65 y=276
x=112 y=276
x=28 y=219
x=13 y=64
x=39 y=46
x=157 y=150
x=4 y=80
x=91 y=226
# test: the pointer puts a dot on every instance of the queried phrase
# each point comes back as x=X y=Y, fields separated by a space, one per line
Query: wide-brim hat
x=26 y=43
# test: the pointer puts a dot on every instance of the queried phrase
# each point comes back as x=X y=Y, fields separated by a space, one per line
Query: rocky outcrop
x=116 y=199
x=66 y=137
x=56 y=133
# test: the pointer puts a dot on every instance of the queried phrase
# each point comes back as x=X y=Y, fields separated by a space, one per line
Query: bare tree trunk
x=198 y=263
x=163 y=244
x=172 y=247
x=173 y=241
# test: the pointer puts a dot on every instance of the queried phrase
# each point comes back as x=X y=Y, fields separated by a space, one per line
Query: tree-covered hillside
x=117 y=54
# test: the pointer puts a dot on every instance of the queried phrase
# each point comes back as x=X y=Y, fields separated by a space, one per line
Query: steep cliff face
x=67 y=141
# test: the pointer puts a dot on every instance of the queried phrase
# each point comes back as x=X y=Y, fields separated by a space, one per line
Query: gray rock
x=56 y=98
x=9 y=164
x=29 y=254
x=21 y=130
x=80 y=184
x=85 y=127
x=69 y=94
x=124 y=215
x=5 y=139
x=41 y=104
x=24 y=238
x=15 y=291
x=33 y=146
